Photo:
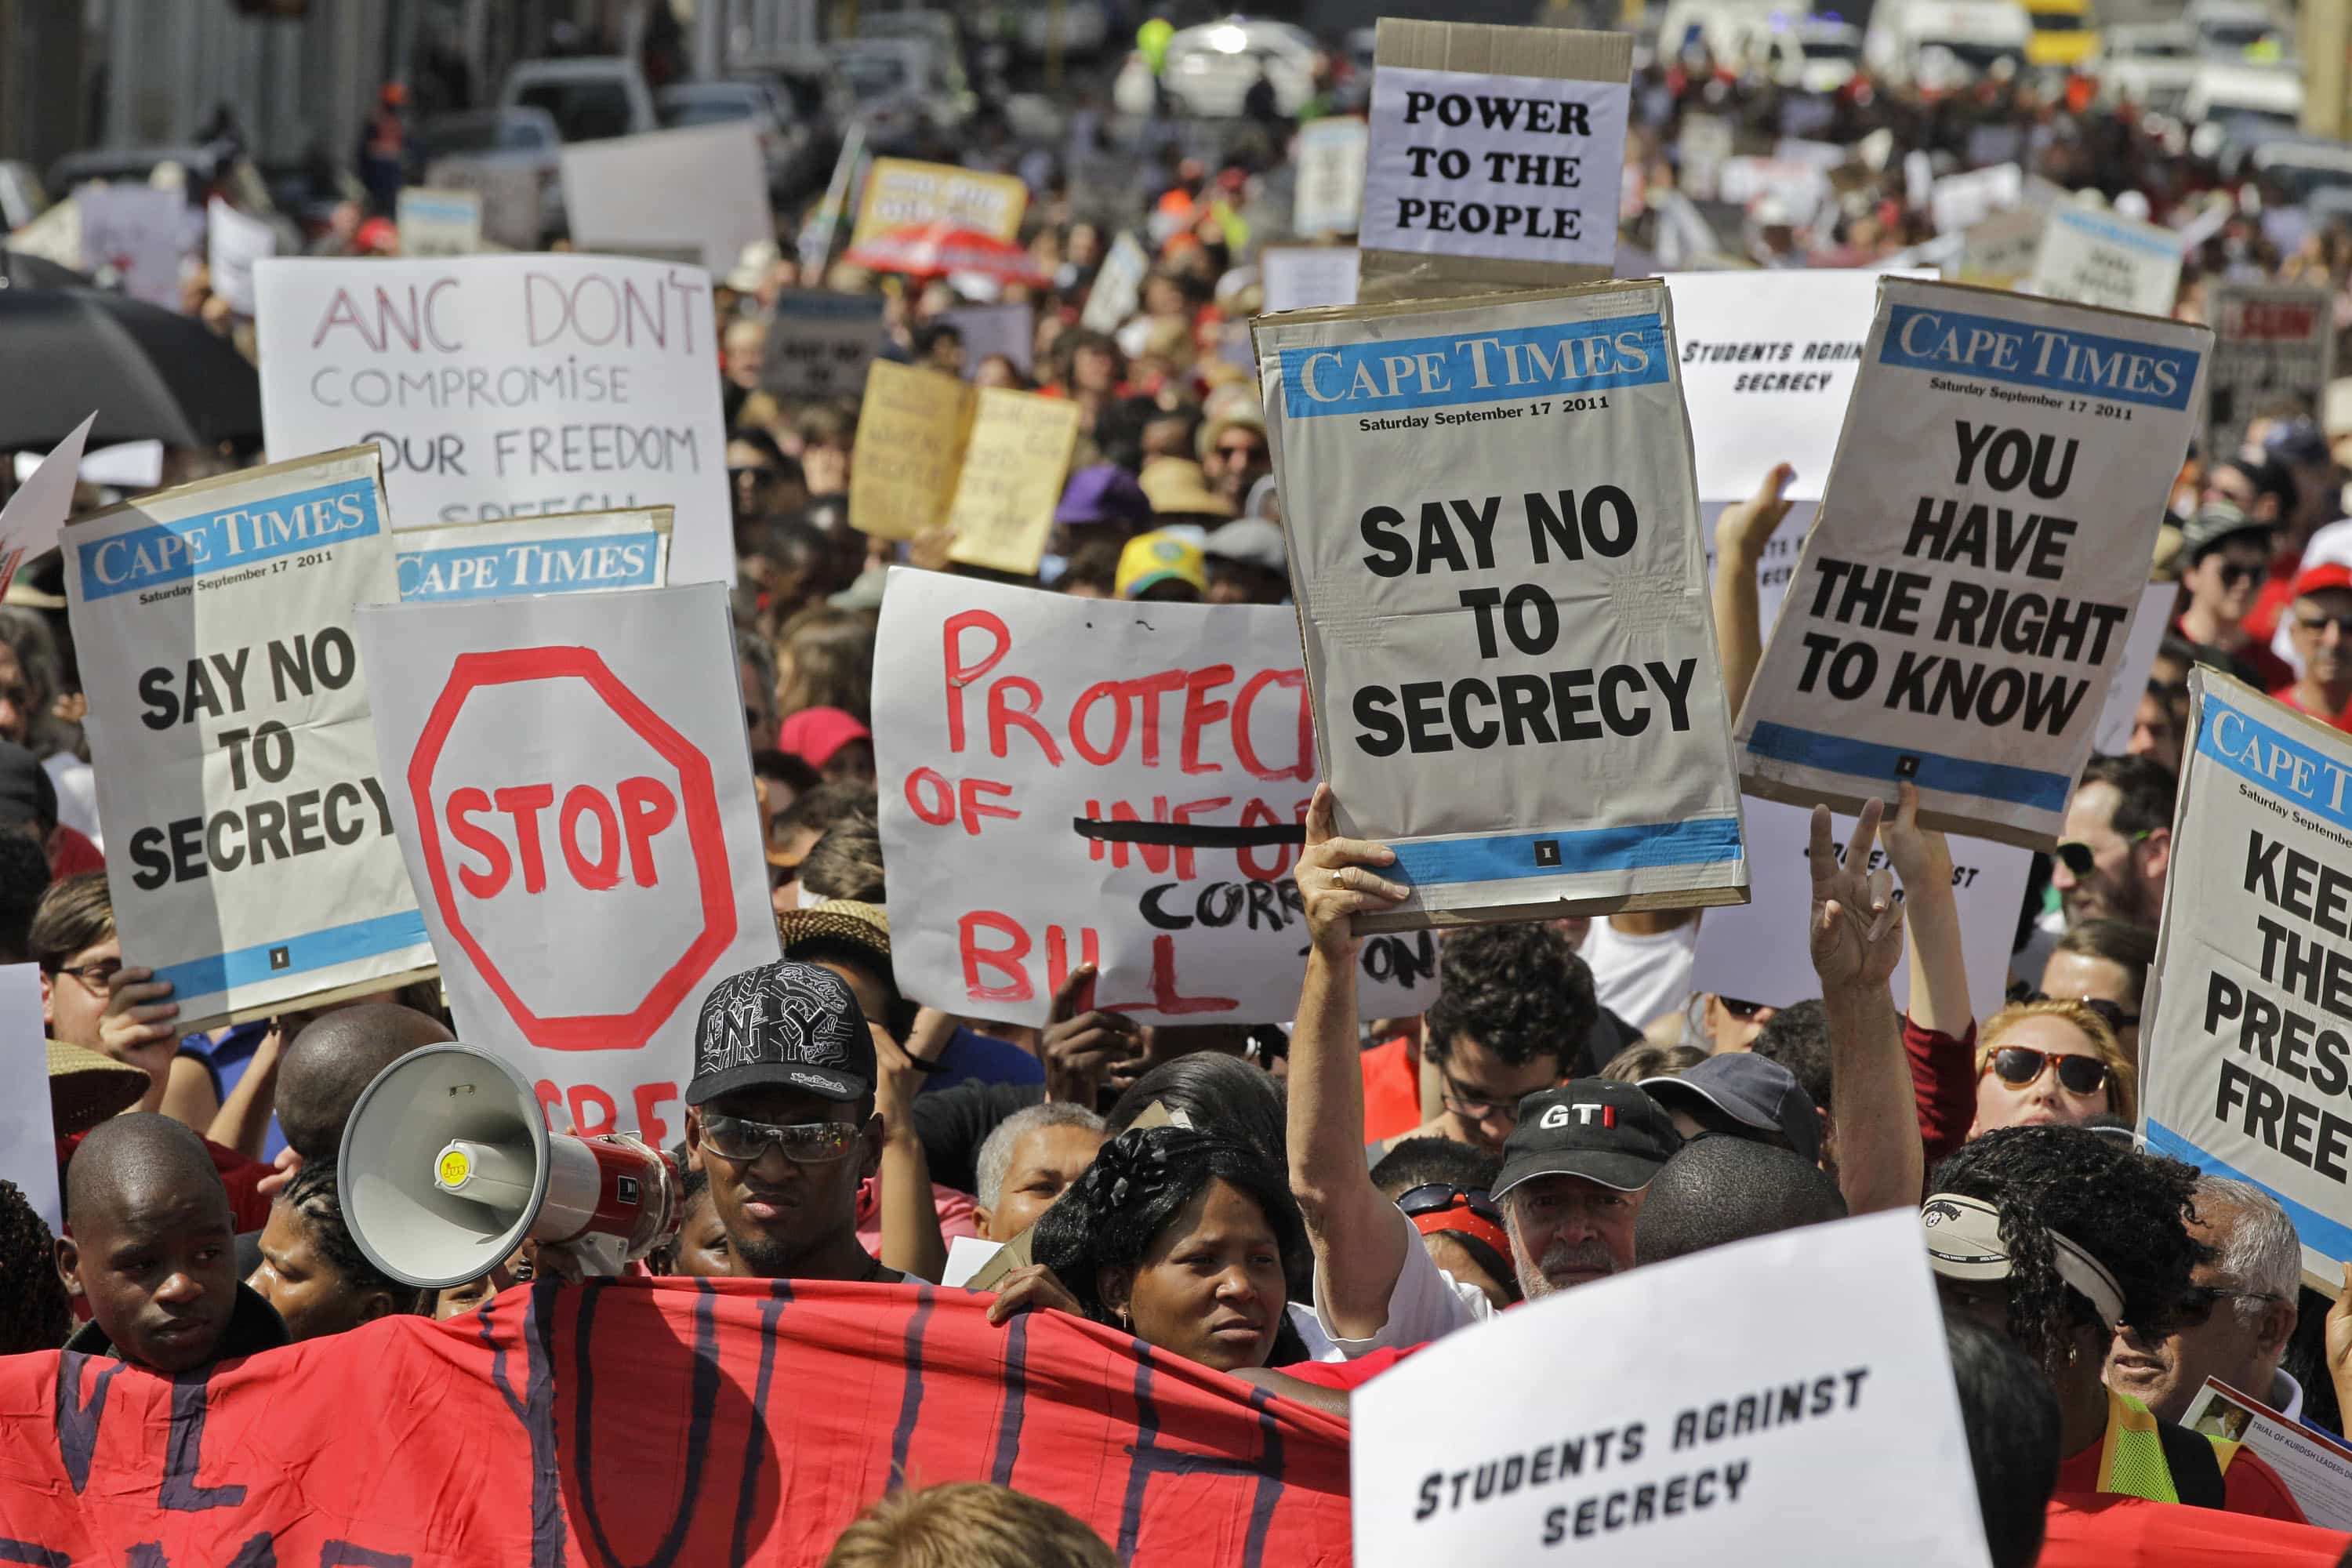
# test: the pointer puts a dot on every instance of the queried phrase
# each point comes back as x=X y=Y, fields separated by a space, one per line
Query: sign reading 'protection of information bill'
x=1493 y=542
x=1965 y=597
x=575 y=799
x=507 y=386
x=253 y=861
x=2249 y=1056
x=1068 y=783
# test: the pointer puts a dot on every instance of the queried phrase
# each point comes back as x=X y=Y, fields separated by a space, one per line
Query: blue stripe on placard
x=1992 y=347
x=298 y=954
x=2273 y=761
x=2318 y=1232
x=1869 y=760
x=1510 y=366
x=482 y=579
x=1516 y=856
x=215 y=541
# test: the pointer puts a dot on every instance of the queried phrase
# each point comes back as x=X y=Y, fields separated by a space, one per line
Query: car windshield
x=583 y=110
x=1831 y=49
x=488 y=133
x=704 y=109
x=872 y=75
x=2059 y=22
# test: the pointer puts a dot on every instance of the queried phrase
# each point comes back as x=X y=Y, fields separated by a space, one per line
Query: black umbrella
x=151 y=374
x=22 y=269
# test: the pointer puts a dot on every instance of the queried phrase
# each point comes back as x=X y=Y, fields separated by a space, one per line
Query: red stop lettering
x=593 y=833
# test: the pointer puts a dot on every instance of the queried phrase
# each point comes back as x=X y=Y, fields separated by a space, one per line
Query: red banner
x=649 y=1422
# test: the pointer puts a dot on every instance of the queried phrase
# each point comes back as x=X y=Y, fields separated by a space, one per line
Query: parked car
x=1944 y=43
x=2236 y=29
x=1210 y=68
x=900 y=90
x=2064 y=35
x=2150 y=64
x=794 y=162
x=2302 y=167
x=496 y=141
x=2252 y=103
x=589 y=98
x=1804 y=54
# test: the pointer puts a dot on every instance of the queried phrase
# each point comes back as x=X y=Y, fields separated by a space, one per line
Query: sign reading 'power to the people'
x=575 y=802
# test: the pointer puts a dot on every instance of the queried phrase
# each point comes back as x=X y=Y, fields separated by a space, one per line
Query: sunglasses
x=2110 y=1013
x=2020 y=1066
x=1437 y=1197
x=744 y=1141
x=1743 y=1011
x=2234 y=576
x=2077 y=858
x=2316 y=624
x=2196 y=1306
x=758 y=476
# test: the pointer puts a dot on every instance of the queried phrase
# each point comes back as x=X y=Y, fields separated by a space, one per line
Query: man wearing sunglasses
x=779 y=1115
x=2116 y=843
x=2320 y=626
x=2224 y=553
x=2240 y=1314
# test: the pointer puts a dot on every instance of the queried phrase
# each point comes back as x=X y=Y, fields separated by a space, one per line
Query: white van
x=2247 y=98
x=1909 y=41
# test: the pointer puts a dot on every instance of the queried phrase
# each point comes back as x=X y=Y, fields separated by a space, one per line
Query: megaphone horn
x=448 y=1166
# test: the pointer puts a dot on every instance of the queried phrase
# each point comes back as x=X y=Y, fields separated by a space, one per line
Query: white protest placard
x=1495 y=545
x=513 y=206
x=1707 y=143
x=1304 y=277
x=1329 y=197
x=2096 y=257
x=2247 y=1053
x=1117 y=288
x=1797 y=186
x=1061 y=785
x=31 y=520
x=1998 y=251
x=1009 y=329
x=507 y=386
x=705 y=187
x=575 y=799
x=1957 y=201
x=2269 y=339
x=2120 y=713
x=820 y=344
x=233 y=242
x=439 y=222
x=578 y=552
x=254 y=862
x=1741 y=1443
x=1510 y=163
x=1961 y=604
x=1757 y=951
x=29 y=1138
x=2318 y=1471
x=1768 y=362
x=138 y=231
x=903 y=194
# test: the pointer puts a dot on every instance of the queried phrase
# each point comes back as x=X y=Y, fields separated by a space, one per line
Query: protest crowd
x=1083 y=1175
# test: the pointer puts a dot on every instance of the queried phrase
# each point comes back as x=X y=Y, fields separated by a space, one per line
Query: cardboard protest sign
x=1798 y=187
x=1999 y=251
x=254 y=864
x=813 y=245
x=507 y=386
x=903 y=194
x=311 y=1454
x=1494 y=157
x=513 y=206
x=2268 y=339
x=233 y=242
x=1066 y=782
x=439 y=222
x=1735 y=1448
x=573 y=796
x=1010 y=330
x=2120 y=714
x=1956 y=202
x=2100 y=257
x=1516 y=689
x=34 y=515
x=1707 y=143
x=1117 y=288
x=2248 y=1050
x=1014 y=467
x=820 y=344
x=704 y=187
x=577 y=552
x=1308 y=277
x=28 y=1140
x=2318 y=1470
x=910 y=436
x=1329 y=197
x=138 y=231
x=1757 y=951
x=1962 y=601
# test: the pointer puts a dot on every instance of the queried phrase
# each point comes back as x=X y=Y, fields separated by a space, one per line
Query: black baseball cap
x=782 y=1025
x=1596 y=1127
x=1754 y=1091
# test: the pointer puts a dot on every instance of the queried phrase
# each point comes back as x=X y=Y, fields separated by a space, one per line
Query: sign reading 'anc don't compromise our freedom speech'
x=1968 y=593
x=1495 y=545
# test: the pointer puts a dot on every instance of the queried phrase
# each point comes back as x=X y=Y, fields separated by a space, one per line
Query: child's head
x=154 y=1249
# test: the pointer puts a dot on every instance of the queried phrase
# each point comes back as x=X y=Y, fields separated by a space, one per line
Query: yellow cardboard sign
x=910 y=439
x=901 y=192
x=1012 y=472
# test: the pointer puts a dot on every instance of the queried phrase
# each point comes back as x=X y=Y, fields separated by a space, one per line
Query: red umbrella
x=930 y=250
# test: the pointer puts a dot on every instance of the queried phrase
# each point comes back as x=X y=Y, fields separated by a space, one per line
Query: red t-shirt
x=2278 y=593
x=1944 y=1077
x=2249 y=1486
x=2285 y=694
x=1391 y=1090
x=71 y=853
x=2092 y=1532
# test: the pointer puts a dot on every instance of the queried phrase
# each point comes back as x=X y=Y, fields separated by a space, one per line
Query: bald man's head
x=335 y=1057
x=154 y=1249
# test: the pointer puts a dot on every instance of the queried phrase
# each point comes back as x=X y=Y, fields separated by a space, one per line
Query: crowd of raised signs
x=1300 y=1208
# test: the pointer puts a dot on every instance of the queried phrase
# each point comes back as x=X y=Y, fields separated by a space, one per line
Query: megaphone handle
x=637 y=1188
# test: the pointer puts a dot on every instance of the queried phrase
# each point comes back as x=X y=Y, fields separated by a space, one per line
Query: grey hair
x=2257 y=1246
x=995 y=1158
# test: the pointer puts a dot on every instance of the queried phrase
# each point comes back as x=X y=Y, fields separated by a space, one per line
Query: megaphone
x=448 y=1166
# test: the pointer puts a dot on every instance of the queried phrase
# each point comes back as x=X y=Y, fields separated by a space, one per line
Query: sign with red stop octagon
x=577 y=813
